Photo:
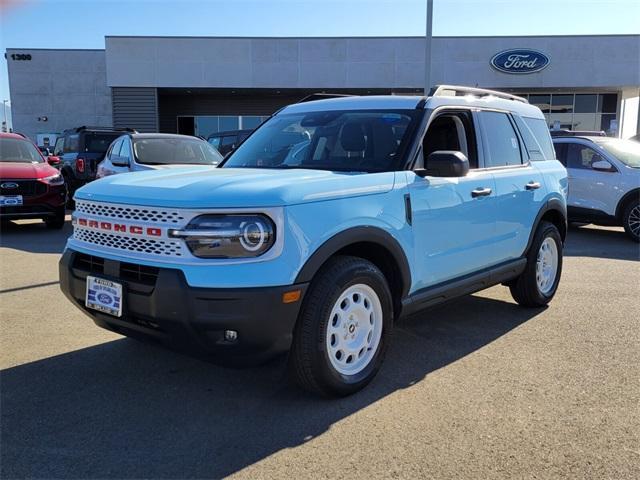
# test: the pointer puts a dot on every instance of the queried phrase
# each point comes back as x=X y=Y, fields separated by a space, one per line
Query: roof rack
x=577 y=133
x=323 y=96
x=457 y=91
x=94 y=127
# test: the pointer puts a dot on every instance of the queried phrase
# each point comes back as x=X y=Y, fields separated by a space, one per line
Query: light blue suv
x=334 y=219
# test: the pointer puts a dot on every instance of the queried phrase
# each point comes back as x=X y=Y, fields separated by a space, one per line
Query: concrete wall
x=69 y=87
x=576 y=62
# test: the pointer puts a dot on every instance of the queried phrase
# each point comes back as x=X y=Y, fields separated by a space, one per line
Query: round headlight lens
x=228 y=236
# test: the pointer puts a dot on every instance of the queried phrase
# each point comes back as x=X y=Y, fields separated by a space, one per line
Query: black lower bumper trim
x=191 y=318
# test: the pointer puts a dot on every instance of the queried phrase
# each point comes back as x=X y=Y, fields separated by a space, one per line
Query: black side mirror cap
x=445 y=163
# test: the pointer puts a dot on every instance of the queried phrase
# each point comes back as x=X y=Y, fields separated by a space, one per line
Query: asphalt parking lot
x=478 y=388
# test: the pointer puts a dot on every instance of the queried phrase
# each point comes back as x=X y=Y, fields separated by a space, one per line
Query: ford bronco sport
x=372 y=209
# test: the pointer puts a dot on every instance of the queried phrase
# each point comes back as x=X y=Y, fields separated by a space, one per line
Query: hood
x=206 y=187
x=26 y=171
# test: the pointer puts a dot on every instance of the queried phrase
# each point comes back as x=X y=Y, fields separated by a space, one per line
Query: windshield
x=364 y=140
x=17 y=150
x=175 y=151
x=627 y=151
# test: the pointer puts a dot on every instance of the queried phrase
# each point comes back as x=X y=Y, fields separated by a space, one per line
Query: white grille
x=144 y=214
x=131 y=244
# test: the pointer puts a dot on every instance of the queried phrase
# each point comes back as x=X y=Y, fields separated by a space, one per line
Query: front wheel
x=343 y=329
x=537 y=285
x=631 y=220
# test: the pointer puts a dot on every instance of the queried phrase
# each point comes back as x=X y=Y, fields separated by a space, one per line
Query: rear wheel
x=343 y=329
x=56 y=222
x=537 y=285
x=631 y=220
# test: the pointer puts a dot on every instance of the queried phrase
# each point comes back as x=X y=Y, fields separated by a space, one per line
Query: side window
x=502 y=146
x=72 y=143
x=534 y=148
x=115 y=151
x=228 y=140
x=540 y=130
x=451 y=131
x=582 y=157
x=58 y=149
x=125 y=151
x=215 y=142
x=561 y=152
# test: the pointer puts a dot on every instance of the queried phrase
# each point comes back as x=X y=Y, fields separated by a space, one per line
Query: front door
x=453 y=218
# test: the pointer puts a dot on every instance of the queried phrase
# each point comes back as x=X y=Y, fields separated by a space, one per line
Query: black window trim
x=525 y=160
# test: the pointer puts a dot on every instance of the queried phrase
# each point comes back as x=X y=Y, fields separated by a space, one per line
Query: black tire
x=309 y=363
x=630 y=217
x=524 y=289
x=70 y=191
x=56 y=222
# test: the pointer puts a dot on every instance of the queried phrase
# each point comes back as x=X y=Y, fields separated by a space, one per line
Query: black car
x=80 y=150
x=228 y=141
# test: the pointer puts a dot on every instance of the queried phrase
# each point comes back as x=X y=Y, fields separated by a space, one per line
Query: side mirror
x=602 y=166
x=53 y=160
x=118 y=161
x=445 y=163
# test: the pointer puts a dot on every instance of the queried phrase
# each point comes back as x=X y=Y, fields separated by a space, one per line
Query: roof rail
x=577 y=133
x=456 y=91
x=323 y=96
x=94 y=127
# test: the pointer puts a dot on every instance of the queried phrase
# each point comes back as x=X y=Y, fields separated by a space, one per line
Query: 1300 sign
x=20 y=56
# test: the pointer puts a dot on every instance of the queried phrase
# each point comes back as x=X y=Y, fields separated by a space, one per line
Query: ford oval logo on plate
x=104 y=298
x=519 y=60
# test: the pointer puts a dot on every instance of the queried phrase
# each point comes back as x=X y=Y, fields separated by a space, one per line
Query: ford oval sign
x=519 y=60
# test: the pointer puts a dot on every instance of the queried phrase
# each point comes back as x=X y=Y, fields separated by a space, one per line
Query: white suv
x=604 y=180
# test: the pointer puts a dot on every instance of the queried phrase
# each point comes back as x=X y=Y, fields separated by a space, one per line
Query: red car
x=29 y=186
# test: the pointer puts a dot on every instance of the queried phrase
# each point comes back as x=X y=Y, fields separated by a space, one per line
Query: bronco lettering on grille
x=119 y=227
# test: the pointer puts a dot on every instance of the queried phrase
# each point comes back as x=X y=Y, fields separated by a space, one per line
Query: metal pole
x=427 y=48
x=6 y=121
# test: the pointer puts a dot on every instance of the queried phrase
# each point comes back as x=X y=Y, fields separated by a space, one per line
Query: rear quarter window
x=538 y=129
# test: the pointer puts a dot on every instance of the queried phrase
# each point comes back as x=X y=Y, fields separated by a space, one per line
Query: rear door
x=520 y=189
x=592 y=193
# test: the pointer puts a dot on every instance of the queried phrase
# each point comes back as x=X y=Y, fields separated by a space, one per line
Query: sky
x=84 y=23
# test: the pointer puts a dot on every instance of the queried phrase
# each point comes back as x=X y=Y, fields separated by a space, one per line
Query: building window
x=207 y=125
x=580 y=111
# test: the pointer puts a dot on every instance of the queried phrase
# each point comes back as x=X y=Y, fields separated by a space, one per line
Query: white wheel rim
x=354 y=329
x=547 y=265
x=634 y=220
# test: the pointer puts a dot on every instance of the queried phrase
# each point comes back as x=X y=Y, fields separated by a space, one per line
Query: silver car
x=135 y=152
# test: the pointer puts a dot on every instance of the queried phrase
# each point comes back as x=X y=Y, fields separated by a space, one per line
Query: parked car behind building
x=604 y=180
x=135 y=152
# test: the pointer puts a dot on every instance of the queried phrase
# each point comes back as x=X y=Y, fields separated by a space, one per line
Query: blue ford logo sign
x=519 y=60
x=105 y=299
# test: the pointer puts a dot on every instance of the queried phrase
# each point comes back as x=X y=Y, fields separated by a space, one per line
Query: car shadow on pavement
x=599 y=242
x=125 y=409
x=34 y=237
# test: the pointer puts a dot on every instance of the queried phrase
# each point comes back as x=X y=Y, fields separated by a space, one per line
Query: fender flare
x=627 y=196
x=352 y=236
x=553 y=204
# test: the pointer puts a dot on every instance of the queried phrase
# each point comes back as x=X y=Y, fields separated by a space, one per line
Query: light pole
x=427 y=48
x=6 y=120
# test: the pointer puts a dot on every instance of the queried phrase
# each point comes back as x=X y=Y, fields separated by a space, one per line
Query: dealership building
x=202 y=85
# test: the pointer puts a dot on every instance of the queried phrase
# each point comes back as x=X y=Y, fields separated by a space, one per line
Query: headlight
x=228 y=236
x=53 y=180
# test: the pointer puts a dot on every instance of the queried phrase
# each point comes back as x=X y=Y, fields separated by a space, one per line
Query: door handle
x=481 y=192
x=532 y=185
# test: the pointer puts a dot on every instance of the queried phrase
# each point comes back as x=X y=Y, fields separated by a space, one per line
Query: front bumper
x=45 y=205
x=158 y=304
